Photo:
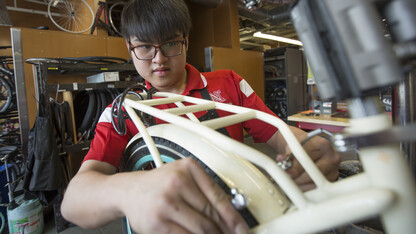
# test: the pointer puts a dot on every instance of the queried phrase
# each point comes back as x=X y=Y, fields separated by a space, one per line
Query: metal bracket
x=347 y=142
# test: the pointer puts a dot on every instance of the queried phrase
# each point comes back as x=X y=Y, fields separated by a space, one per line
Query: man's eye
x=145 y=47
x=171 y=44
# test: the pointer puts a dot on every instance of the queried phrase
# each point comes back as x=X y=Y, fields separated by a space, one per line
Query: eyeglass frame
x=157 y=48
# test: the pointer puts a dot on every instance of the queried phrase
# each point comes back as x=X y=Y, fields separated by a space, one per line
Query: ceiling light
x=276 y=38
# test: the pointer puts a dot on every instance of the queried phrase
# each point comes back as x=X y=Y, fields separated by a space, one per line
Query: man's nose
x=159 y=55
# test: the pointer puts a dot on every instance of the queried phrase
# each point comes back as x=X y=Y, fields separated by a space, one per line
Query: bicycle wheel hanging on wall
x=74 y=16
x=115 y=16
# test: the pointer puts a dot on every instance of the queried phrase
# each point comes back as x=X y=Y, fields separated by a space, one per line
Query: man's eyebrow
x=136 y=39
x=172 y=37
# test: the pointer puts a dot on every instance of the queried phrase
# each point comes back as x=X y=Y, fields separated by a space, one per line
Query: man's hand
x=320 y=151
x=325 y=158
x=180 y=197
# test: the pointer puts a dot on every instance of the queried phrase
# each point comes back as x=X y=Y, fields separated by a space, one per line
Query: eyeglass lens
x=168 y=49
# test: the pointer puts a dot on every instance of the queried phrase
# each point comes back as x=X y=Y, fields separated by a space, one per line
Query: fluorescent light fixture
x=276 y=38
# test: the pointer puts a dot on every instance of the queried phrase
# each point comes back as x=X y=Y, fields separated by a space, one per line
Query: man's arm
x=318 y=148
x=177 y=197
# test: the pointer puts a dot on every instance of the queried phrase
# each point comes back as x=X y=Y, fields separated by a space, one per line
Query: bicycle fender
x=264 y=199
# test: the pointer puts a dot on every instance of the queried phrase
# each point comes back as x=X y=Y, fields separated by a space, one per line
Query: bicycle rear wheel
x=74 y=16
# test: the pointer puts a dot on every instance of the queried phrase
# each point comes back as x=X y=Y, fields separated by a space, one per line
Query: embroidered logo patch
x=216 y=96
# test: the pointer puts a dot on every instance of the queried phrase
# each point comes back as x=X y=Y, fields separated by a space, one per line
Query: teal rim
x=148 y=158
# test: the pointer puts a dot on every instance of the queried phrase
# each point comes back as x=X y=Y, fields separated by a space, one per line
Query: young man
x=177 y=197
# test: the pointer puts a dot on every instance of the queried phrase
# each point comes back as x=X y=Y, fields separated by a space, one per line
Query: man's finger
x=194 y=221
x=220 y=201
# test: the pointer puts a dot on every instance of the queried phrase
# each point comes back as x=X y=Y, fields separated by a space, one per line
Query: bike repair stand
x=351 y=60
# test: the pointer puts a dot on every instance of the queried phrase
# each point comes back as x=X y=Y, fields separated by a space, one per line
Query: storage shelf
x=80 y=146
x=281 y=78
x=88 y=86
x=274 y=58
x=286 y=69
x=62 y=68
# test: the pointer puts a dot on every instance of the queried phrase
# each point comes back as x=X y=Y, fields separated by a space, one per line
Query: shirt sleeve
x=107 y=145
x=259 y=130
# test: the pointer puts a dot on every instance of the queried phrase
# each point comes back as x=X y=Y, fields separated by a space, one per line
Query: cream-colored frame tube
x=386 y=188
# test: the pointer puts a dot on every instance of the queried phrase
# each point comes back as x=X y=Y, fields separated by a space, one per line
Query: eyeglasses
x=168 y=49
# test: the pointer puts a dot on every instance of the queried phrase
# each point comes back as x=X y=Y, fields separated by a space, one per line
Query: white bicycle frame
x=386 y=188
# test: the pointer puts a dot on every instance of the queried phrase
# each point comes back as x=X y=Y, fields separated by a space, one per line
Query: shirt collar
x=195 y=80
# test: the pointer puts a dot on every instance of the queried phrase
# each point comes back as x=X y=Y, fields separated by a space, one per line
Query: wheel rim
x=144 y=162
x=74 y=16
x=5 y=96
x=115 y=25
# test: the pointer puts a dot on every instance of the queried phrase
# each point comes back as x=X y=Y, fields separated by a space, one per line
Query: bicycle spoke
x=74 y=16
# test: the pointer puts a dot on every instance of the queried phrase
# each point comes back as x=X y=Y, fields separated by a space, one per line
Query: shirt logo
x=216 y=96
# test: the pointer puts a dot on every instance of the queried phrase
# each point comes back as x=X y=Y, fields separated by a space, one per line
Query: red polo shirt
x=223 y=86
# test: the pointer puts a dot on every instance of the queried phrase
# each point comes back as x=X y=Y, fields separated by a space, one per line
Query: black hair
x=155 y=21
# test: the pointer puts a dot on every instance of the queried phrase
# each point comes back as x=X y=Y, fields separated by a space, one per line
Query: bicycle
x=111 y=21
x=268 y=199
x=73 y=16
x=7 y=84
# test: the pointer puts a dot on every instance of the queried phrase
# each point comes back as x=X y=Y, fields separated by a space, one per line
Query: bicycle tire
x=73 y=16
x=137 y=157
x=6 y=95
x=36 y=61
x=114 y=9
x=97 y=59
x=90 y=113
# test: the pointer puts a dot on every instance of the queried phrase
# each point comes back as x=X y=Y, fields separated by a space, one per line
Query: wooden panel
x=226 y=23
x=248 y=64
x=20 y=19
x=212 y=27
x=202 y=34
x=116 y=47
x=5 y=40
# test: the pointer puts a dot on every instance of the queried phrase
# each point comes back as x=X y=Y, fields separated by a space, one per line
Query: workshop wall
x=216 y=27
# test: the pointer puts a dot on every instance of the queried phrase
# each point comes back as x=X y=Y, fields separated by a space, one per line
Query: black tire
x=137 y=157
x=6 y=95
x=114 y=15
x=101 y=105
x=85 y=107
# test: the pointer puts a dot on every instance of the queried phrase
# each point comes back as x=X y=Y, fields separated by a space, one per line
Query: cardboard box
x=104 y=77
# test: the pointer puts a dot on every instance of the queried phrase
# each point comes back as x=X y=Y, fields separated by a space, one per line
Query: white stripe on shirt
x=246 y=88
x=105 y=116
x=204 y=80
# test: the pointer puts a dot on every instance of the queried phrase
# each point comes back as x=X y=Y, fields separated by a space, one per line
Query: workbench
x=309 y=121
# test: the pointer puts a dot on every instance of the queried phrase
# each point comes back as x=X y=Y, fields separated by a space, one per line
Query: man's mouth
x=161 y=70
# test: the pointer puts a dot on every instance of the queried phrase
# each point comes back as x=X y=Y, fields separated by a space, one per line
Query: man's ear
x=128 y=45
x=187 y=42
